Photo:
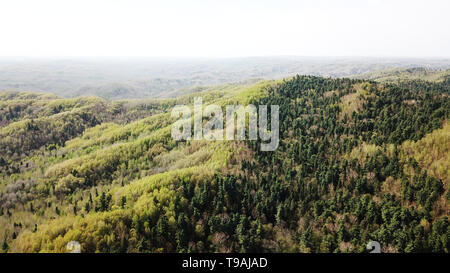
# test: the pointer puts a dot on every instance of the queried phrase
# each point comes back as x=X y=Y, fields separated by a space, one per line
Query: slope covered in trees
x=357 y=161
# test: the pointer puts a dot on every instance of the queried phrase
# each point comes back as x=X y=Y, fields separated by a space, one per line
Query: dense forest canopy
x=358 y=160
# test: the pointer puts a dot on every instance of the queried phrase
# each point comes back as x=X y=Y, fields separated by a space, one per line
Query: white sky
x=225 y=28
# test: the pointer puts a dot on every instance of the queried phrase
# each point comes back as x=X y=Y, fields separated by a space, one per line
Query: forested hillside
x=358 y=161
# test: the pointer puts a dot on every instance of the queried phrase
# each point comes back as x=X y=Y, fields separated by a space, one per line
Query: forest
x=358 y=160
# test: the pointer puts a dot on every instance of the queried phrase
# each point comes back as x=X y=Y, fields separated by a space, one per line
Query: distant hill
x=401 y=74
x=131 y=78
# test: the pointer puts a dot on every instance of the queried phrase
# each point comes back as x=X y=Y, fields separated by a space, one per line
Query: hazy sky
x=225 y=28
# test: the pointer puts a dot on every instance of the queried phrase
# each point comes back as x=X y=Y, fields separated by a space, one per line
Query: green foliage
x=357 y=161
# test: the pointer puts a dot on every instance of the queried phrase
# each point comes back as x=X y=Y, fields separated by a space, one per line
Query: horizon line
x=220 y=57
